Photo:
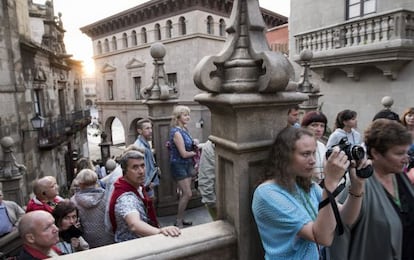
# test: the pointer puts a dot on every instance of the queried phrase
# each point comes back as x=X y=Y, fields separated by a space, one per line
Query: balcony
x=384 y=41
x=57 y=130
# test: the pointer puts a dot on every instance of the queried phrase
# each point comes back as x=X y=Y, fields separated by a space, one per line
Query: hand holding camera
x=354 y=153
x=336 y=165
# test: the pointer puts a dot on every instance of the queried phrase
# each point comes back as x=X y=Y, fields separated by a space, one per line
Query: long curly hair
x=281 y=156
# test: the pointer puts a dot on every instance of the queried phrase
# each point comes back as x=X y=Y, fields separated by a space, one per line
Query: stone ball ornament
x=157 y=50
x=7 y=142
x=306 y=55
x=387 y=101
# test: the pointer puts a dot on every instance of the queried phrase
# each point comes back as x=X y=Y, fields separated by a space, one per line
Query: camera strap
x=331 y=200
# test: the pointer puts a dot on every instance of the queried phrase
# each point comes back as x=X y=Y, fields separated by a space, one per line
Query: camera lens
x=357 y=152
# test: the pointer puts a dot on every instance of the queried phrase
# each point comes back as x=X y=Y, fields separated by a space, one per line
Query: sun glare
x=88 y=67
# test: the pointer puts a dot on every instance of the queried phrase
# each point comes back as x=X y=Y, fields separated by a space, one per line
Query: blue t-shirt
x=5 y=225
x=188 y=144
x=280 y=216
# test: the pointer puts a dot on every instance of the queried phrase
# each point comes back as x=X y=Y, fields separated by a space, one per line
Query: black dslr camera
x=354 y=152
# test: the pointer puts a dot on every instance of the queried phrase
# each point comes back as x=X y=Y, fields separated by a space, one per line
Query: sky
x=78 y=13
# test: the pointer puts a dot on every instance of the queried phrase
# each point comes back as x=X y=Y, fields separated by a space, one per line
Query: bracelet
x=355 y=195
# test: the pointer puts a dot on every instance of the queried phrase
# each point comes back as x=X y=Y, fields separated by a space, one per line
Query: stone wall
x=215 y=240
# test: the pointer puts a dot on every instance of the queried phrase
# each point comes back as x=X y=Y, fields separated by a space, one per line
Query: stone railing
x=384 y=41
x=215 y=240
x=397 y=24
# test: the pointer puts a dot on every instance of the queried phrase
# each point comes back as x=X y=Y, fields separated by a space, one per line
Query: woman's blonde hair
x=87 y=177
x=177 y=112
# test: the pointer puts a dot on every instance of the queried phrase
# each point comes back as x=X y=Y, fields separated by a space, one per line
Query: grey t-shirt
x=127 y=203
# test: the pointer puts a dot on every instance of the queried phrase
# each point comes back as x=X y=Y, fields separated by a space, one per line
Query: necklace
x=396 y=196
x=306 y=203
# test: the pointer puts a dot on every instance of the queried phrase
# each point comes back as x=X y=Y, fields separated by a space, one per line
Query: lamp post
x=38 y=122
x=105 y=148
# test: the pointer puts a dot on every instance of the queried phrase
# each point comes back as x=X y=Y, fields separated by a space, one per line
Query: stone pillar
x=11 y=173
x=160 y=114
x=249 y=89
x=13 y=189
x=160 y=100
x=306 y=86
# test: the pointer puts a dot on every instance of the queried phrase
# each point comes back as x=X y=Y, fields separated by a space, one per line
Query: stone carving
x=9 y=167
x=246 y=64
x=39 y=73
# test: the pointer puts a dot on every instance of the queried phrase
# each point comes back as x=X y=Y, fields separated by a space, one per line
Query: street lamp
x=38 y=122
x=105 y=148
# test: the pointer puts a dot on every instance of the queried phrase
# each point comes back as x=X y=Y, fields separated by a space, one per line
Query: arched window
x=182 y=26
x=210 y=25
x=106 y=45
x=114 y=44
x=222 y=27
x=124 y=40
x=144 y=35
x=168 y=29
x=99 y=47
x=157 y=32
x=134 y=38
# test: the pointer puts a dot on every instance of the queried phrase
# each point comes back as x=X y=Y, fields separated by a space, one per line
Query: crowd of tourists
x=343 y=196
x=323 y=196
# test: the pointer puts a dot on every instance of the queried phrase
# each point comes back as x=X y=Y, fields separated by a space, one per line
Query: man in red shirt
x=46 y=196
x=39 y=234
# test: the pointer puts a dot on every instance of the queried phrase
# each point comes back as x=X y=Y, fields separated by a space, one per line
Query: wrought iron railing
x=57 y=130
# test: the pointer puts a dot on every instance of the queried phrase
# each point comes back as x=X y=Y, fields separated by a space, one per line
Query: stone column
x=160 y=100
x=160 y=114
x=249 y=92
x=11 y=173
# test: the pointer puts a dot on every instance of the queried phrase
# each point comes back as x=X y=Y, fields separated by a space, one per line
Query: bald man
x=39 y=234
x=46 y=196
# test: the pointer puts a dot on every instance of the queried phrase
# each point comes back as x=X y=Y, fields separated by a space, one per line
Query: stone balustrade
x=383 y=27
x=383 y=40
x=214 y=240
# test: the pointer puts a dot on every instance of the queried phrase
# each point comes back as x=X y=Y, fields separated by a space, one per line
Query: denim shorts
x=181 y=170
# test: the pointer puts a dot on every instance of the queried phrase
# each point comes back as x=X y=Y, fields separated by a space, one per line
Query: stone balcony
x=382 y=40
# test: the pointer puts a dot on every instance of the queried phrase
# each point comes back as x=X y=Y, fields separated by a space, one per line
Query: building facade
x=40 y=80
x=189 y=30
x=362 y=51
x=278 y=38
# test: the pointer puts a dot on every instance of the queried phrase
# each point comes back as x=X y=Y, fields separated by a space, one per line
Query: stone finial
x=387 y=102
x=159 y=88
x=10 y=168
x=306 y=86
x=246 y=64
